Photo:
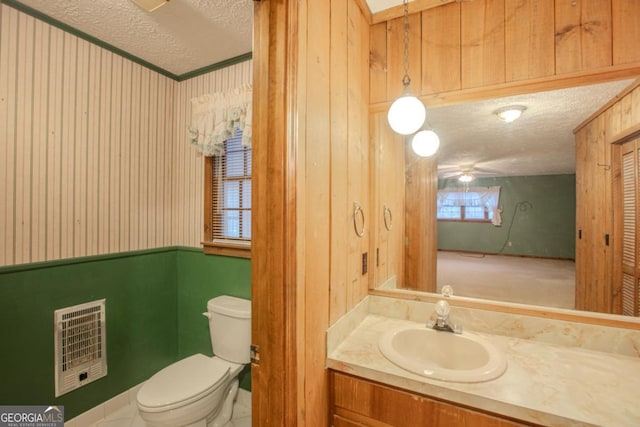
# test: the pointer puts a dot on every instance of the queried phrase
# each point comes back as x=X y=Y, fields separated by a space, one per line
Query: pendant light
x=425 y=143
x=407 y=113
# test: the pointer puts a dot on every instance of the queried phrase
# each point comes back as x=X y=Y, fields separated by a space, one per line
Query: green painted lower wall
x=202 y=277
x=154 y=305
x=545 y=228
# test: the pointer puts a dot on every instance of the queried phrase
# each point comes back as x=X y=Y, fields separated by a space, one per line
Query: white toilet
x=199 y=391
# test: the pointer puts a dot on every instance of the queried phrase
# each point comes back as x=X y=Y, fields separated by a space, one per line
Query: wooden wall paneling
x=581 y=218
x=582 y=35
x=359 y=17
x=626 y=116
x=483 y=43
x=441 y=49
x=420 y=229
x=277 y=287
x=317 y=86
x=594 y=292
x=379 y=239
x=395 y=55
x=341 y=225
x=389 y=188
x=625 y=31
x=605 y=215
x=529 y=39
x=358 y=150
x=378 y=62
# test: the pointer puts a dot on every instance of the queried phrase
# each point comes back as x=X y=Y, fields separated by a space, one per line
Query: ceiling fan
x=464 y=173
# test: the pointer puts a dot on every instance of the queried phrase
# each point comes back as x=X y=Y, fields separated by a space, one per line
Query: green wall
x=200 y=278
x=545 y=229
x=154 y=305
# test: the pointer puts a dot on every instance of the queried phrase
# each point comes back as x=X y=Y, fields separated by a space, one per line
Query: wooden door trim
x=273 y=265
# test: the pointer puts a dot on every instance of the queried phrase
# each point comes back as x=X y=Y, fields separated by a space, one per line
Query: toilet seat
x=182 y=383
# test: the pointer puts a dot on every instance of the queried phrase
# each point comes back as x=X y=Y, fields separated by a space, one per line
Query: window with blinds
x=229 y=206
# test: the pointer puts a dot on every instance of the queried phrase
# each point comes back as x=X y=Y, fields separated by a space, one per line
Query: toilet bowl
x=199 y=391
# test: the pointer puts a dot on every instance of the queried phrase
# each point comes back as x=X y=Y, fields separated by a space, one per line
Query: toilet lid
x=183 y=381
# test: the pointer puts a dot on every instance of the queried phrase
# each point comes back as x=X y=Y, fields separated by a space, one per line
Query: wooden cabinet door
x=357 y=402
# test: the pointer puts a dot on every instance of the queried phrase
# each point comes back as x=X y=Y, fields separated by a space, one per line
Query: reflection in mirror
x=503 y=194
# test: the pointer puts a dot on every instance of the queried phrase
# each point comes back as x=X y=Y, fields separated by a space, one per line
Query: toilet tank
x=230 y=328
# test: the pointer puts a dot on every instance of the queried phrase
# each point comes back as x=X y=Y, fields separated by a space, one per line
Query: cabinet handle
x=358 y=212
x=580 y=234
x=386 y=213
x=606 y=239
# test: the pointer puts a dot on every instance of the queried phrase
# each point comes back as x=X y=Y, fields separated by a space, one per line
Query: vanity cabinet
x=359 y=402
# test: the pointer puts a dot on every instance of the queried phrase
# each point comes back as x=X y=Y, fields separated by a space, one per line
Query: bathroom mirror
x=520 y=251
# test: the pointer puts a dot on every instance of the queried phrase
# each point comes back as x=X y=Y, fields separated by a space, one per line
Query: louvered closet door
x=630 y=158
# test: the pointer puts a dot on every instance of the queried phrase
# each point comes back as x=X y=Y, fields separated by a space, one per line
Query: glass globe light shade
x=425 y=143
x=406 y=115
x=511 y=113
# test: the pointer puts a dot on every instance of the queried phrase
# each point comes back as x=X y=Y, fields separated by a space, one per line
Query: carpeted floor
x=536 y=281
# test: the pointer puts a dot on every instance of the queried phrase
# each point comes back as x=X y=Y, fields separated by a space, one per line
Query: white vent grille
x=80 y=345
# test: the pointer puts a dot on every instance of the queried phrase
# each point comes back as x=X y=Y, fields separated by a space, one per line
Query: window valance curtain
x=487 y=197
x=474 y=196
x=215 y=118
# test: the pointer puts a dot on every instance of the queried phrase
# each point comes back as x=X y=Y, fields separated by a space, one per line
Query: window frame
x=210 y=246
x=487 y=211
x=464 y=219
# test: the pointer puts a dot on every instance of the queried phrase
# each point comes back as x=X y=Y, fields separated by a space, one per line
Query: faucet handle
x=447 y=291
x=442 y=308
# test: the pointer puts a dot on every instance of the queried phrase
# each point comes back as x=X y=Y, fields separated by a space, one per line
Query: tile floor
x=122 y=412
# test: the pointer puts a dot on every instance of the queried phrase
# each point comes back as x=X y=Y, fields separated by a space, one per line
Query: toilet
x=199 y=391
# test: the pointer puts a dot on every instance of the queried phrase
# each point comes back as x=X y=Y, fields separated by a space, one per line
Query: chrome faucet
x=442 y=319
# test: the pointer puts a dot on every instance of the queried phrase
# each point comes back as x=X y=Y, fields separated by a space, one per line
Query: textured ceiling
x=180 y=37
x=379 y=5
x=541 y=142
x=185 y=35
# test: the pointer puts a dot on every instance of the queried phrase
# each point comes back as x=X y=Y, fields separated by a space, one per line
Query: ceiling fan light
x=425 y=143
x=150 y=5
x=510 y=113
x=466 y=178
x=406 y=115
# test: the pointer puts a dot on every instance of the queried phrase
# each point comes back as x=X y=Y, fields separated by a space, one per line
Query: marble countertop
x=545 y=383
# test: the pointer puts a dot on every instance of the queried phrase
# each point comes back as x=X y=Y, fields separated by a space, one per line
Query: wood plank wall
x=466 y=45
x=93 y=152
x=311 y=104
x=598 y=277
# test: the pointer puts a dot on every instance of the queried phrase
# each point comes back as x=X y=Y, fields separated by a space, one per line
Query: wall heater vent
x=80 y=345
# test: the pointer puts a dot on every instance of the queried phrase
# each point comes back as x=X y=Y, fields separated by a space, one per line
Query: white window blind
x=232 y=193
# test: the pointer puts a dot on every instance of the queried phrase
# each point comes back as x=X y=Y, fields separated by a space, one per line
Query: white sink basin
x=443 y=355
